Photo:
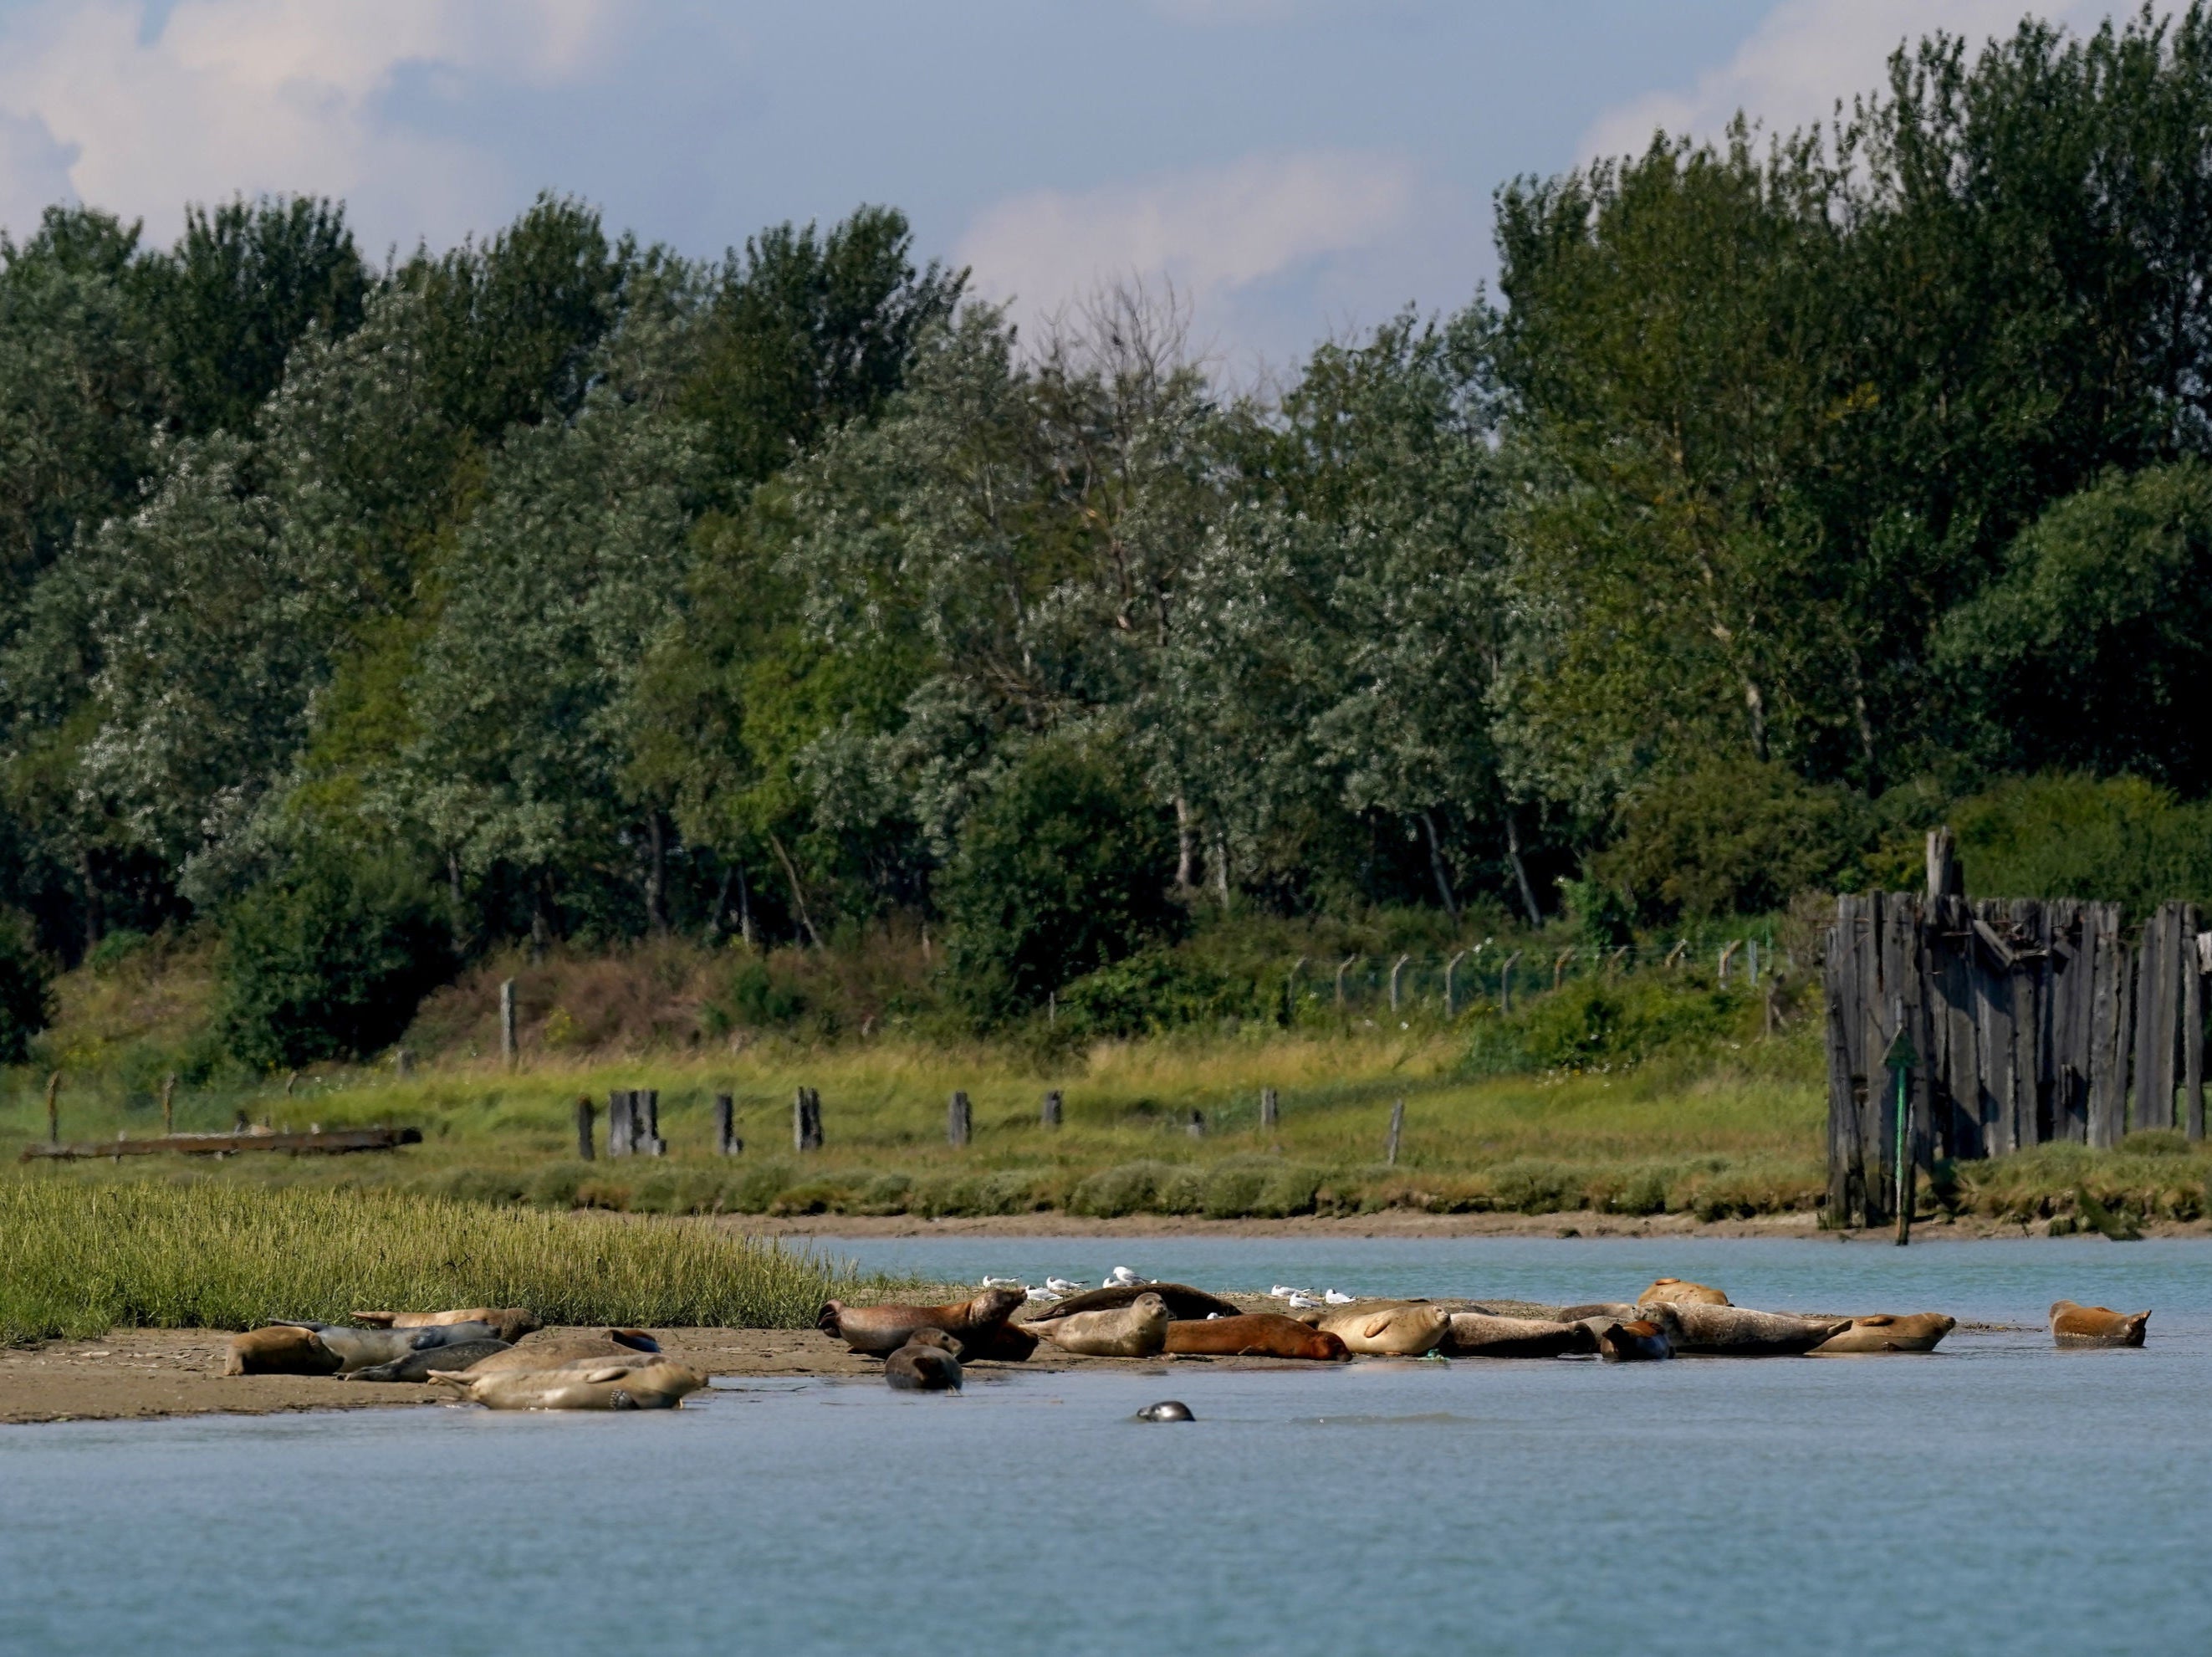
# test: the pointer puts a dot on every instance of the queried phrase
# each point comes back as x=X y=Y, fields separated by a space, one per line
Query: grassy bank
x=81 y=1260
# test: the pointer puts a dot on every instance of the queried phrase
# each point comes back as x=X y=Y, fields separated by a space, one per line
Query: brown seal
x=1917 y=1333
x=1632 y=1342
x=1139 y=1330
x=1007 y=1342
x=1254 y=1335
x=929 y=1362
x=1399 y=1332
x=509 y=1323
x=2096 y=1325
x=281 y=1349
x=880 y=1330
x=661 y=1385
x=1733 y=1331
x=1677 y=1292
x=1182 y=1301
x=1479 y=1335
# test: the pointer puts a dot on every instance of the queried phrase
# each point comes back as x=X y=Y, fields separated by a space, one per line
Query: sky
x=1295 y=169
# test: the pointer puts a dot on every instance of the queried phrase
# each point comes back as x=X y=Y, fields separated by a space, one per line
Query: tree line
x=561 y=586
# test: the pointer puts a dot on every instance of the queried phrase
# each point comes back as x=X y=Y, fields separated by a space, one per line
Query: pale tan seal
x=1734 y=1331
x=2072 y=1324
x=1396 y=1331
x=552 y=1349
x=1918 y=1332
x=509 y=1323
x=1139 y=1330
x=1481 y=1335
x=1675 y=1291
x=661 y=1385
x=280 y=1349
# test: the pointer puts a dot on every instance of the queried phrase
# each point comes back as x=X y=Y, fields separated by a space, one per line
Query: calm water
x=1998 y=1495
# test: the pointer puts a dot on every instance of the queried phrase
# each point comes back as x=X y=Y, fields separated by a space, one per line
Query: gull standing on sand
x=1122 y=1278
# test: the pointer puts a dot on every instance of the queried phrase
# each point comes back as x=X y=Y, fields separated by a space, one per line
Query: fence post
x=1342 y=967
x=1559 y=968
x=1397 y=971
x=1290 y=989
x=1397 y=1127
x=584 y=1113
x=53 y=1109
x=1674 y=955
x=1505 y=982
x=727 y=1142
x=1270 y=1110
x=1451 y=971
x=1049 y=1113
x=806 y=1120
x=1196 y=1129
x=507 y=1041
x=1751 y=961
x=402 y=1063
x=958 y=1120
x=646 y=1114
x=169 y=1104
x=619 y=1123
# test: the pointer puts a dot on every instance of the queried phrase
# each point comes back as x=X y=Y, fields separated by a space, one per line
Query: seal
x=923 y=1365
x=509 y=1323
x=280 y=1349
x=1733 y=1331
x=1604 y=1310
x=1917 y=1333
x=1676 y=1292
x=1632 y=1342
x=1006 y=1342
x=661 y=1385
x=417 y=1366
x=1254 y=1335
x=1139 y=1330
x=880 y=1330
x=1166 y=1409
x=1479 y=1335
x=2096 y=1325
x=359 y=1349
x=1397 y=1332
x=1182 y=1301
x=552 y=1349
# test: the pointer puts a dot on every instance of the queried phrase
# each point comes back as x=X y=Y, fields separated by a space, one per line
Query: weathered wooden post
x=507 y=1041
x=1727 y=952
x=2193 y=1021
x=806 y=1120
x=1751 y=961
x=1945 y=879
x=620 y=1123
x=645 y=1115
x=1674 y=955
x=584 y=1114
x=1397 y=1127
x=1048 y=1112
x=1899 y=1060
x=1397 y=972
x=1451 y=973
x=1196 y=1126
x=958 y=1120
x=1270 y=1110
x=726 y=1142
x=1290 y=989
x=1505 y=982
x=53 y=1109
x=168 y=1104
x=1342 y=967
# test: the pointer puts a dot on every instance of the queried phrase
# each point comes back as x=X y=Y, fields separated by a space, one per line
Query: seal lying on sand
x=358 y=1348
x=1182 y=1301
x=552 y=1349
x=1478 y=1335
x=1676 y=1292
x=1917 y=1333
x=1732 y=1331
x=417 y=1366
x=928 y=1362
x=1398 y=1331
x=509 y=1323
x=1254 y=1335
x=2096 y=1325
x=1139 y=1330
x=1602 y=1311
x=280 y=1349
x=880 y=1330
x=1631 y=1342
x=661 y=1385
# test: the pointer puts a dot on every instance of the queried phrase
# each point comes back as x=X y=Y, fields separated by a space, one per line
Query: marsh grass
x=82 y=1259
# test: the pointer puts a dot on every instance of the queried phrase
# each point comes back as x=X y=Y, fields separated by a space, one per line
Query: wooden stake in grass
x=959 y=1121
x=584 y=1113
x=727 y=1142
x=1049 y=1113
x=53 y=1109
x=1505 y=982
x=1397 y=1127
x=506 y=1041
x=1270 y=1110
x=168 y=1104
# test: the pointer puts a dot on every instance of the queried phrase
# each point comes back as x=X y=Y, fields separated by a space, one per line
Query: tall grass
x=79 y=1259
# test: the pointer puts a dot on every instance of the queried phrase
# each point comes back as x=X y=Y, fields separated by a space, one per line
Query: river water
x=1997 y=1494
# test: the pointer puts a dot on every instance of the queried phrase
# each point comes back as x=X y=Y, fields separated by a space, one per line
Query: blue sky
x=1296 y=168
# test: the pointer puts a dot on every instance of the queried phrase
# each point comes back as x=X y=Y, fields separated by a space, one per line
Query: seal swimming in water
x=1254 y=1335
x=554 y=1349
x=1166 y=1409
x=2073 y=1324
x=661 y=1385
x=1182 y=1301
x=509 y=1323
x=417 y=1366
x=1736 y=1332
x=1396 y=1331
x=359 y=1349
x=928 y=1362
x=879 y=1331
x=1677 y=1292
x=1917 y=1333
x=1632 y=1342
x=1479 y=1335
x=280 y=1349
x=1139 y=1330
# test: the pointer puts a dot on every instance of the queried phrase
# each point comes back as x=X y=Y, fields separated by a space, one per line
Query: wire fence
x=1451 y=983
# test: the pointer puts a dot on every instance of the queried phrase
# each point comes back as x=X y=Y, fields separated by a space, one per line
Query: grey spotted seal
x=359 y=1349
x=554 y=1348
x=417 y=1366
x=1181 y=1299
x=1737 y=1332
x=1479 y=1335
x=1166 y=1409
x=509 y=1323
x=928 y=1362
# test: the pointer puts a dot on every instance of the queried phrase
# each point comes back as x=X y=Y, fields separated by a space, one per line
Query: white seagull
x=1304 y=1302
x=1061 y=1286
x=1122 y=1278
x=1333 y=1298
x=1003 y=1282
x=1282 y=1291
x=1043 y=1296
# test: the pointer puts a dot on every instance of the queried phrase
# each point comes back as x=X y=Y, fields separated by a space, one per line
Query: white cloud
x=1211 y=232
x=1805 y=56
x=250 y=95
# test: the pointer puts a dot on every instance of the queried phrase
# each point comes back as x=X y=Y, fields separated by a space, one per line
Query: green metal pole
x=1904 y=1200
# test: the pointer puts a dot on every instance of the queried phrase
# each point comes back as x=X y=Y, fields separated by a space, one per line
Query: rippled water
x=1996 y=1496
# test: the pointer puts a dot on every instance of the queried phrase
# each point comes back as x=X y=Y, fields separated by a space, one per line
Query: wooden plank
x=2077 y=970
x=332 y=1142
x=1838 y=973
x=2151 y=1070
x=2104 y=1021
x=2192 y=1026
x=2028 y=1013
x=1965 y=1045
x=1993 y=1015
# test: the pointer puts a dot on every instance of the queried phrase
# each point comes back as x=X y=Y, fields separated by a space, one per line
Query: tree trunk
x=1754 y=702
x=1221 y=868
x=1186 y=845
x=1437 y=868
x=722 y=903
x=797 y=894
x=96 y=920
x=1520 y=869
x=656 y=874
x=745 y=908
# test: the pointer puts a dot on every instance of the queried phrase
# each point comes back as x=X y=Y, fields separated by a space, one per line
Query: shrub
x=1153 y=991
x=329 y=960
x=1731 y=837
x=1597 y=1021
x=1060 y=871
x=26 y=989
x=1131 y=1188
x=2118 y=839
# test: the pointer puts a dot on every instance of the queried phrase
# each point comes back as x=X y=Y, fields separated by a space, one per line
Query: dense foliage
x=1800 y=486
